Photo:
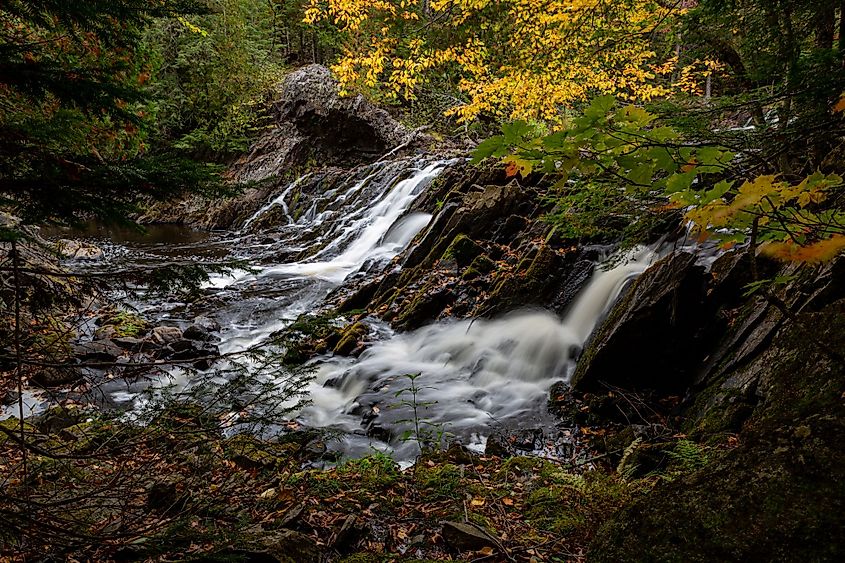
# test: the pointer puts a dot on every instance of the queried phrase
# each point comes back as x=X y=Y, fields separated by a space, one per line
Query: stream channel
x=476 y=377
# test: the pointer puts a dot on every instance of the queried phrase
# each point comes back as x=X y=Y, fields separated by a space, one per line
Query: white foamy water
x=474 y=375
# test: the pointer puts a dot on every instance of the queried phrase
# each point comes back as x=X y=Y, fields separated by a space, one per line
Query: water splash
x=474 y=375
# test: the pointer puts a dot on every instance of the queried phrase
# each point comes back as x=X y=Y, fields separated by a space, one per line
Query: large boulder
x=310 y=123
x=777 y=495
x=653 y=337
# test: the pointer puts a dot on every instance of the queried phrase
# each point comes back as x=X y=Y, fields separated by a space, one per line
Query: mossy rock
x=125 y=324
x=480 y=266
x=776 y=496
x=349 y=338
x=462 y=250
x=439 y=482
x=13 y=425
x=426 y=305
x=249 y=452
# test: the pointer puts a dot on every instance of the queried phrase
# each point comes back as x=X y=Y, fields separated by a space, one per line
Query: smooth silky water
x=475 y=377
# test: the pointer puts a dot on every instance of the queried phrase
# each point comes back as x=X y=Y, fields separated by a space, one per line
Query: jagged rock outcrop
x=484 y=253
x=778 y=495
x=311 y=125
x=655 y=335
x=765 y=390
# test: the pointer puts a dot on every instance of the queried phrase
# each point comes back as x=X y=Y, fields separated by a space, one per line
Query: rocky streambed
x=419 y=289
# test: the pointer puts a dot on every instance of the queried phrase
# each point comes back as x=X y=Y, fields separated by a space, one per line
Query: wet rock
x=192 y=350
x=480 y=266
x=578 y=277
x=656 y=334
x=165 y=334
x=463 y=536
x=497 y=445
x=379 y=432
x=77 y=250
x=97 y=351
x=528 y=440
x=207 y=324
x=463 y=250
x=133 y=344
x=350 y=338
x=315 y=449
x=55 y=377
x=426 y=305
x=291 y=516
x=477 y=216
x=532 y=284
x=458 y=454
x=198 y=333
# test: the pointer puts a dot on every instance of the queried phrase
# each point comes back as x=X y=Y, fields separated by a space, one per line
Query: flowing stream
x=467 y=378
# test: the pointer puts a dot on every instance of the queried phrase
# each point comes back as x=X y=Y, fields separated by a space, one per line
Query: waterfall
x=363 y=219
x=278 y=200
x=474 y=375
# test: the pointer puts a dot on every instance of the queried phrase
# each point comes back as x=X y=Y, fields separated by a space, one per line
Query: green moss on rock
x=463 y=250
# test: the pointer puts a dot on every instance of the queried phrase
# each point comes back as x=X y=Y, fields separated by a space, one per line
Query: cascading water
x=342 y=231
x=473 y=376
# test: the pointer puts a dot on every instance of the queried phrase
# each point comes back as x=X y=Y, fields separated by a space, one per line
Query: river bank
x=442 y=333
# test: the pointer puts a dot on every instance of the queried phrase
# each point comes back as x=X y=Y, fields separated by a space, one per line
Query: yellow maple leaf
x=821 y=251
x=839 y=107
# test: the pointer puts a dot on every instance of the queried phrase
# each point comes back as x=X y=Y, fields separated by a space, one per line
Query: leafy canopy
x=73 y=115
x=618 y=168
x=514 y=59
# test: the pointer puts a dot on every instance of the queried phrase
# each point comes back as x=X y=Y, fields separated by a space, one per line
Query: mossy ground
x=178 y=489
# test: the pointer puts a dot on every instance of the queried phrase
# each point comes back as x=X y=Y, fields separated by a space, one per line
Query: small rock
x=349 y=535
x=53 y=377
x=291 y=516
x=165 y=334
x=197 y=332
x=105 y=332
x=466 y=537
x=193 y=352
x=210 y=325
x=497 y=446
x=131 y=343
x=315 y=448
x=97 y=351
x=288 y=545
x=76 y=250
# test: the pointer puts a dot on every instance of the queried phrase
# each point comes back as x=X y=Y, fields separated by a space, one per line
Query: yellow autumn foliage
x=514 y=59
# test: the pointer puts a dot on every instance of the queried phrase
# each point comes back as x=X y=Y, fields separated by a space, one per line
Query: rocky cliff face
x=312 y=127
x=765 y=390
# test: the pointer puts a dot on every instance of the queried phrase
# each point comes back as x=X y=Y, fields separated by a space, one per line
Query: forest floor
x=179 y=490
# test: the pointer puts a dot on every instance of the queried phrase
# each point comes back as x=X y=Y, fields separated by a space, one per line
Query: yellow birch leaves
x=513 y=59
